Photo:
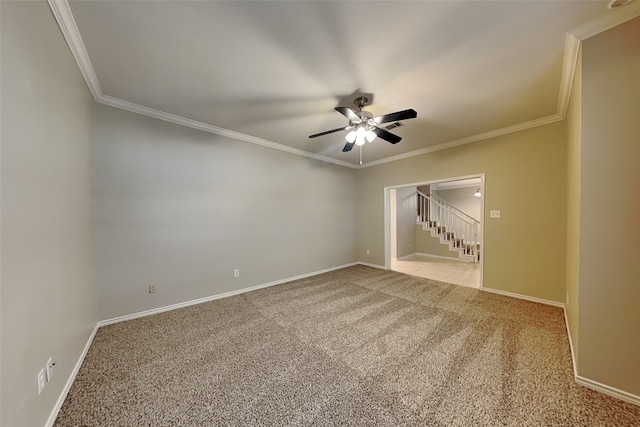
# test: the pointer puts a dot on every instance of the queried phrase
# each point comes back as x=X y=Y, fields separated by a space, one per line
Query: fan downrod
x=361 y=101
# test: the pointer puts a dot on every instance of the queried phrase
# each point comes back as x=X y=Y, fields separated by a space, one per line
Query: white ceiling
x=272 y=72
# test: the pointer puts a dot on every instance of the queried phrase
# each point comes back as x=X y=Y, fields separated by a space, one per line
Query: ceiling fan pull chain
x=360 y=154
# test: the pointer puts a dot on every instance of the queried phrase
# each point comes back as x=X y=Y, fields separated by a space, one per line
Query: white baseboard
x=611 y=391
x=76 y=369
x=70 y=380
x=430 y=256
x=217 y=296
x=452 y=258
x=381 y=267
x=573 y=354
x=586 y=382
x=524 y=297
x=594 y=385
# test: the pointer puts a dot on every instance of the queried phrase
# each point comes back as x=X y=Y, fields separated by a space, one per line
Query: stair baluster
x=455 y=227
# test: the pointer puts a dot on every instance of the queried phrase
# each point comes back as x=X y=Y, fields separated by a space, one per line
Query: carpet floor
x=356 y=346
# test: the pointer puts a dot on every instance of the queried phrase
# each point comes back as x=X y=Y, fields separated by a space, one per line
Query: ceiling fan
x=364 y=127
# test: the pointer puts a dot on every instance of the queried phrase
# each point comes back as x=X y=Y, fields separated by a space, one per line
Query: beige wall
x=609 y=348
x=573 y=206
x=48 y=293
x=525 y=178
x=430 y=245
x=181 y=209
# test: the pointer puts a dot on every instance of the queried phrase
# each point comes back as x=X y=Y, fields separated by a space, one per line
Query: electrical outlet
x=236 y=272
x=368 y=252
x=42 y=380
x=494 y=213
x=49 y=368
x=152 y=289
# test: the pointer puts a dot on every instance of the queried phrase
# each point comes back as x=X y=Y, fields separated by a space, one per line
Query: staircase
x=454 y=227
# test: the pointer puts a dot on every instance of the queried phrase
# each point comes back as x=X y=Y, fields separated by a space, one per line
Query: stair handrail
x=448 y=206
x=462 y=225
x=446 y=203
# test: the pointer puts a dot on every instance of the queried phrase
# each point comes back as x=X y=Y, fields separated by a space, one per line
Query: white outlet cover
x=494 y=213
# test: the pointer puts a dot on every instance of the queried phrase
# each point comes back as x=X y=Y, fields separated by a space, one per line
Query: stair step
x=464 y=248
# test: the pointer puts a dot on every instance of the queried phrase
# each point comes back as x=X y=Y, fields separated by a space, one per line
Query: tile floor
x=445 y=270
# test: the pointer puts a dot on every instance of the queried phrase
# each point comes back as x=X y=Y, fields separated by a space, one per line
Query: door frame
x=387 y=216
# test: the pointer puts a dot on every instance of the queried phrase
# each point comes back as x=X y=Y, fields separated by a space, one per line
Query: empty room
x=319 y=213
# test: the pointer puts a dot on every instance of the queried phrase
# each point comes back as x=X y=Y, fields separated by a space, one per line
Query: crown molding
x=69 y=28
x=571 y=50
x=67 y=24
x=468 y=140
x=615 y=17
x=194 y=124
x=573 y=42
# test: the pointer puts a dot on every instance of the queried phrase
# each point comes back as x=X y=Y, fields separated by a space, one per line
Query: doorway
x=411 y=249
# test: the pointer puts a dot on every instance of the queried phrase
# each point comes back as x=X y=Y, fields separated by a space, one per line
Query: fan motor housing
x=361 y=101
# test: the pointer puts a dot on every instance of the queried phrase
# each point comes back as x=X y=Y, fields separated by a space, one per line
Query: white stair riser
x=451 y=242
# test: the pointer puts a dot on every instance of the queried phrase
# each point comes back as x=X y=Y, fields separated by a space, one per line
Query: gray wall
x=463 y=199
x=406 y=213
x=48 y=292
x=609 y=209
x=181 y=209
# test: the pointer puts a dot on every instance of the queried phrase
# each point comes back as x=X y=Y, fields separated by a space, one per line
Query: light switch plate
x=49 y=369
x=42 y=380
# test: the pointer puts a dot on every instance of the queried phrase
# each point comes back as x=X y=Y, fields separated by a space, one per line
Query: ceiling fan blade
x=348 y=113
x=387 y=136
x=328 y=132
x=398 y=115
x=393 y=125
x=348 y=146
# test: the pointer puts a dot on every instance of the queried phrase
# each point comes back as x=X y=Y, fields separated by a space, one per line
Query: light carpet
x=357 y=346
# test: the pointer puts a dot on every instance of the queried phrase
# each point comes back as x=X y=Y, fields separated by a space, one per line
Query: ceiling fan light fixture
x=361 y=134
x=363 y=127
x=617 y=3
x=351 y=137
x=370 y=135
